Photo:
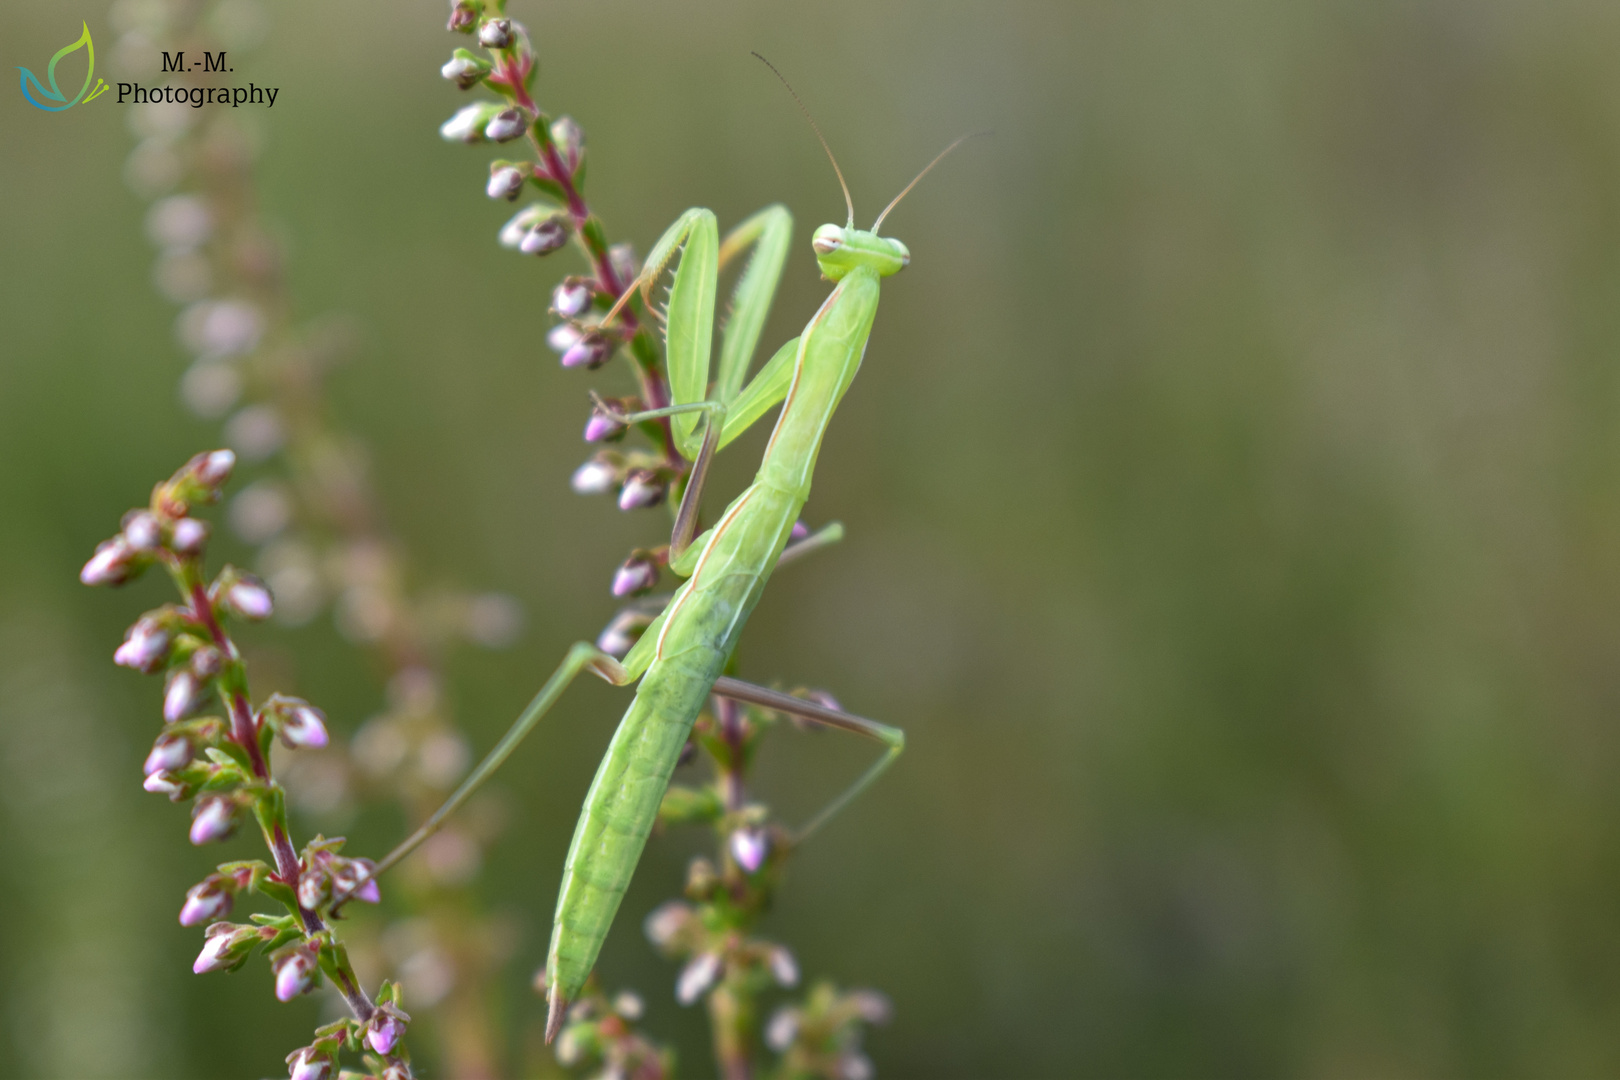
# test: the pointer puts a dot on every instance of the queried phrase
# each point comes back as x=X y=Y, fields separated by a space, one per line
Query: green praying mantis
x=681 y=658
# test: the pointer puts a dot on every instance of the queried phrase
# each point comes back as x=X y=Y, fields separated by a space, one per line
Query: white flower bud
x=142 y=531
x=304 y=725
x=782 y=1029
x=305 y=1065
x=697 y=976
x=666 y=921
x=570 y=298
x=385 y=1032
x=215 y=468
x=144 y=648
x=784 y=969
x=595 y=477
x=205 y=902
x=112 y=564
x=505 y=183
x=495 y=34
x=506 y=125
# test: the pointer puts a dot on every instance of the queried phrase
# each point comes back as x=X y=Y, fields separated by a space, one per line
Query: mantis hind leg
x=891 y=737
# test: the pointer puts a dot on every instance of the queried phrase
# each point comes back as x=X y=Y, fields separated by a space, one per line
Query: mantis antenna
x=848 y=202
x=907 y=190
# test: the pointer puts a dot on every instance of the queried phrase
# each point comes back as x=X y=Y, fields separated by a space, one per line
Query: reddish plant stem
x=654 y=384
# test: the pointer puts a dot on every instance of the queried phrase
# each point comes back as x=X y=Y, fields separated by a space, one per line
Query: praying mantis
x=681 y=658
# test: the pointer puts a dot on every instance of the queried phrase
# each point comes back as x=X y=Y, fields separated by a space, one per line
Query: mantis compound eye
x=828 y=239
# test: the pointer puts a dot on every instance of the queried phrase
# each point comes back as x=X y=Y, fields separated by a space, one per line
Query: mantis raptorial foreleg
x=891 y=737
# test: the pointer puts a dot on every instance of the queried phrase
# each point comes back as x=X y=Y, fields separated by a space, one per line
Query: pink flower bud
x=180 y=697
x=590 y=351
x=206 y=901
x=207 y=662
x=304 y=725
x=145 y=647
x=505 y=183
x=595 y=477
x=212 y=819
x=225 y=945
x=784 y=969
x=641 y=489
x=800 y=531
x=215 y=468
x=295 y=973
x=782 y=1030
x=697 y=976
x=314 y=888
x=749 y=847
x=305 y=1064
x=112 y=564
x=190 y=535
x=601 y=427
x=249 y=599
x=544 y=236
x=385 y=1032
x=570 y=298
x=637 y=575
x=169 y=753
x=508 y=124
x=871 y=1006
x=463 y=17
x=142 y=531
x=666 y=922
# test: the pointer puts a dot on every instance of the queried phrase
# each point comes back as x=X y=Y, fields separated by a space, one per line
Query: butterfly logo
x=53 y=94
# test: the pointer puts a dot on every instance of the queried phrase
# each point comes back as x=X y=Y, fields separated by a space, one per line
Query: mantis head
x=840 y=249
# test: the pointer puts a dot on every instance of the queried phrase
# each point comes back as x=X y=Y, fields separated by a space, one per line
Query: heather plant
x=322 y=546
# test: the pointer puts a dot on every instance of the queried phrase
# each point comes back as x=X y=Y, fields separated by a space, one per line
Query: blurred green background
x=1233 y=494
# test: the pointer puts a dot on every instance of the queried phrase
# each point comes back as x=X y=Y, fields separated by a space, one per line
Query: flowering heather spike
x=749 y=847
x=595 y=477
x=212 y=818
x=590 y=351
x=145 y=646
x=636 y=576
x=142 y=531
x=249 y=599
x=180 y=697
x=306 y=1064
x=113 y=563
x=304 y=725
x=505 y=183
x=385 y=1032
x=784 y=969
x=496 y=34
x=190 y=536
x=169 y=753
x=642 y=489
x=206 y=901
x=697 y=976
x=570 y=298
x=295 y=973
x=506 y=125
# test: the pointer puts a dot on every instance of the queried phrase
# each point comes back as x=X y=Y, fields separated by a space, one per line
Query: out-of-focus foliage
x=1233 y=493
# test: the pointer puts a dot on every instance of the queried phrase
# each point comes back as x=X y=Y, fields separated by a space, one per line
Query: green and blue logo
x=54 y=94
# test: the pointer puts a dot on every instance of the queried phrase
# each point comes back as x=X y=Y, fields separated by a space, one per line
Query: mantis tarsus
x=681 y=657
